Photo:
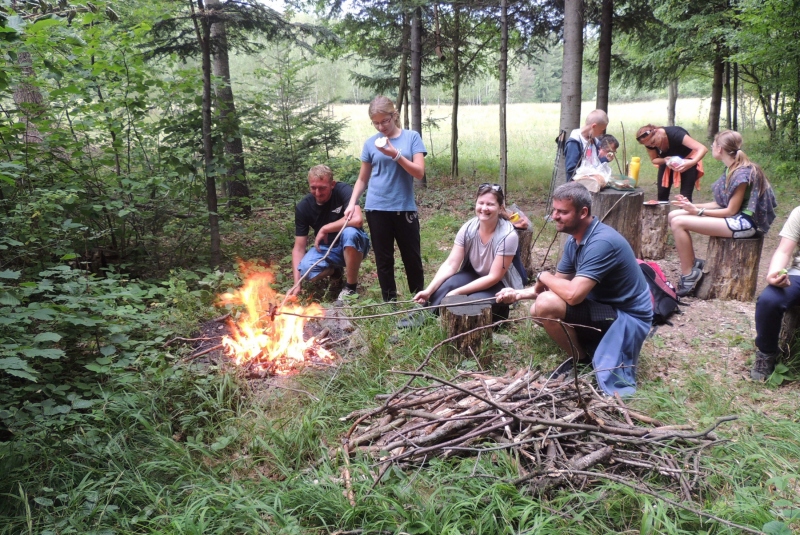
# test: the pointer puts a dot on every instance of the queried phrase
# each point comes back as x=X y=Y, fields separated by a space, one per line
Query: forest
x=151 y=157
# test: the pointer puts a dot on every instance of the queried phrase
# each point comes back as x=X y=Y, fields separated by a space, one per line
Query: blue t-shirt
x=391 y=188
x=606 y=258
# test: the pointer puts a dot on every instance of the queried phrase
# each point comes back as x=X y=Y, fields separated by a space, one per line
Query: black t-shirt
x=309 y=214
x=675 y=135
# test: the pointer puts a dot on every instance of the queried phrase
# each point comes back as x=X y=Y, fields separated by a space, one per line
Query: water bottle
x=633 y=169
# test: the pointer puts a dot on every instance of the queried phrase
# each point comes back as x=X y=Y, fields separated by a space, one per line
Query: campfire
x=267 y=338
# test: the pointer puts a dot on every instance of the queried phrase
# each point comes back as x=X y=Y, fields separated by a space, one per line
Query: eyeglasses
x=385 y=122
x=493 y=187
x=643 y=135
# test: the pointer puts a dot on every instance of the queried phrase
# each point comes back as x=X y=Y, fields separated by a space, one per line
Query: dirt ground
x=722 y=332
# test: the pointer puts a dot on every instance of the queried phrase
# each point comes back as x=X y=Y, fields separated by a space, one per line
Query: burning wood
x=560 y=429
x=263 y=341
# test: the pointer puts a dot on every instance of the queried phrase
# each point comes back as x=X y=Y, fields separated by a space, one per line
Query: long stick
x=654 y=494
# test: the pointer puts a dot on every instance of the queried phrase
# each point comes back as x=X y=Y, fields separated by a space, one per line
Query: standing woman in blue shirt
x=390 y=167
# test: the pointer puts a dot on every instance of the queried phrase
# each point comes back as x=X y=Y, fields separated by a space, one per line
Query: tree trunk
x=727 y=95
x=716 y=97
x=402 y=92
x=672 y=100
x=208 y=147
x=604 y=55
x=503 y=94
x=236 y=187
x=572 y=69
x=416 y=71
x=735 y=124
x=28 y=99
x=456 y=88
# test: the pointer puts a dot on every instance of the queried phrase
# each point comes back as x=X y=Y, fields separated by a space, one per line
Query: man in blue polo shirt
x=598 y=284
x=323 y=210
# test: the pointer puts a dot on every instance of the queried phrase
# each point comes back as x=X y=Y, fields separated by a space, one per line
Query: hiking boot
x=699 y=263
x=347 y=295
x=688 y=283
x=763 y=366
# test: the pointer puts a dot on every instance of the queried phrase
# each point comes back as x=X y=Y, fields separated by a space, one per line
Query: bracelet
x=701 y=212
x=398 y=156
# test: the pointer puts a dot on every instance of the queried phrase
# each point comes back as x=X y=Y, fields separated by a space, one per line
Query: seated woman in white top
x=481 y=261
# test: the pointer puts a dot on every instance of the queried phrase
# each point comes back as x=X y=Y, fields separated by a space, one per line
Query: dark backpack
x=662 y=293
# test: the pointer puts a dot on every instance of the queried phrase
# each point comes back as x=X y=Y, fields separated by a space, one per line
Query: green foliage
x=287 y=133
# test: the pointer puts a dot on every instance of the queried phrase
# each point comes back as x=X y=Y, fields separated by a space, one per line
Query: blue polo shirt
x=607 y=258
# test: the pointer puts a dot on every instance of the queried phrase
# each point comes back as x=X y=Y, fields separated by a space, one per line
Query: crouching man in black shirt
x=323 y=210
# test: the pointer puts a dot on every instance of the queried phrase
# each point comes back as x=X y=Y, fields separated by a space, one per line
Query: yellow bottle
x=514 y=217
x=633 y=169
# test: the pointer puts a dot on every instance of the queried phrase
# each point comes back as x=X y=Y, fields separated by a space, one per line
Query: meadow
x=532 y=130
x=194 y=447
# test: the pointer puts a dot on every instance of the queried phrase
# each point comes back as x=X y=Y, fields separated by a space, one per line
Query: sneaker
x=414 y=319
x=347 y=295
x=699 y=263
x=688 y=283
x=763 y=366
x=566 y=370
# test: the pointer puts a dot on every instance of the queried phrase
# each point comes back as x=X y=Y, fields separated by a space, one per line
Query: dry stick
x=347 y=483
x=615 y=205
x=624 y=148
x=623 y=408
x=209 y=350
x=181 y=338
x=395 y=313
x=623 y=481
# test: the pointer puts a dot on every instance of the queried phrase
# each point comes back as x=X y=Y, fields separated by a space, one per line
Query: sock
x=351 y=286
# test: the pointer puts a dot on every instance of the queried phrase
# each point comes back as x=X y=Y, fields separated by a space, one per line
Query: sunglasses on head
x=643 y=135
x=493 y=187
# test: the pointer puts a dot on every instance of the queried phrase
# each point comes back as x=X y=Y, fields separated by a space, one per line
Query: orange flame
x=271 y=343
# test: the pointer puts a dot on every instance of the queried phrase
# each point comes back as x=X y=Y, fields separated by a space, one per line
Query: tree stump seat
x=622 y=211
x=655 y=230
x=459 y=318
x=731 y=270
x=789 y=327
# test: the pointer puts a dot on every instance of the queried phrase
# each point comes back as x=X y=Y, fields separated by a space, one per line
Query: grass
x=182 y=449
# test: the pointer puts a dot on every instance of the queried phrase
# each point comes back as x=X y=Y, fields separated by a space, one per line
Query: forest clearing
x=158 y=376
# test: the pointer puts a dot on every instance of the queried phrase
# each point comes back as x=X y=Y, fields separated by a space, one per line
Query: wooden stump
x=789 y=326
x=655 y=230
x=621 y=210
x=525 y=253
x=731 y=270
x=462 y=318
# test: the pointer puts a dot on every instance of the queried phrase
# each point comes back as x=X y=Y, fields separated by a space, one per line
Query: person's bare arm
x=698 y=152
x=414 y=165
x=781 y=259
x=359 y=187
x=573 y=291
x=356 y=220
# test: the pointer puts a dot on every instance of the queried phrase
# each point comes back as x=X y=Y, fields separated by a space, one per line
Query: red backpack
x=662 y=293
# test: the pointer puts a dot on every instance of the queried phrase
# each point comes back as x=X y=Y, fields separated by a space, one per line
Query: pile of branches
x=564 y=432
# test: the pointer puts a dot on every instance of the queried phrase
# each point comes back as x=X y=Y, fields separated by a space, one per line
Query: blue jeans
x=770 y=307
x=351 y=237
